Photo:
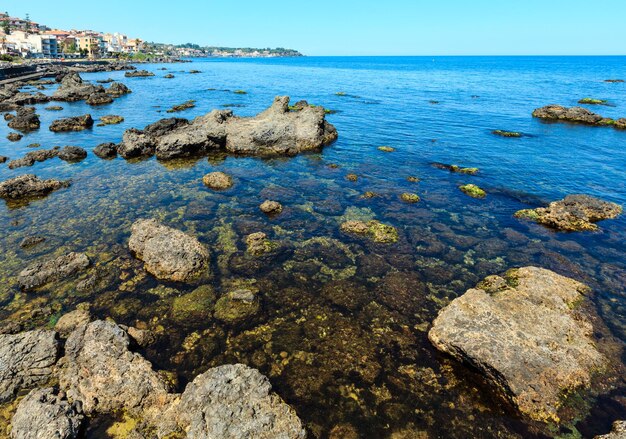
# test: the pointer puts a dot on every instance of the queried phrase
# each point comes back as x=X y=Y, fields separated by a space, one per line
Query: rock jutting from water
x=72 y=88
x=473 y=191
x=503 y=133
x=500 y=329
x=574 y=213
x=275 y=131
x=217 y=180
x=577 y=115
x=138 y=74
x=25 y=120
x=271 y=208
x=168 y=253
x=106 y=150
x=76 y=123
x=29 y=185
x=456 y=169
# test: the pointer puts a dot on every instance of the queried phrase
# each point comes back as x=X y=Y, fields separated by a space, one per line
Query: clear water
x=370 y=364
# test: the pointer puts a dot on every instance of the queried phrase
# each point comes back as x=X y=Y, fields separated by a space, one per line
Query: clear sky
x=355 y=27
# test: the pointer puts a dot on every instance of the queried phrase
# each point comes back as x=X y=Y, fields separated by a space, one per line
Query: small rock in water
x=258 y=244
x=271 y=207
x=375 y=230
x=237 y=306
x=473 y=191
x=502 y=133
x=456 y=169
x=14 y=137
x=352 y=177
x=106 y=150
x=138 y=74
x=31 y=241
x=3 y=159
x=72 y=154
x=29 y=185
x=386 y=149
x=77 y=123
x=217 y=180
x=410 y=198
x=111 y=120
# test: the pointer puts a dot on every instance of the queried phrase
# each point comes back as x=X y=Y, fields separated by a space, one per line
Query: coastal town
x=25 y=39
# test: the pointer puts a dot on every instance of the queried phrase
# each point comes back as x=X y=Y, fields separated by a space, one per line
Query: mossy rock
x=182 y=107
x=352 y=177
x=412 y=179
x=408 y=197
x=473 y=191
x=341 y=93
x=194 y=307
x=529 y=214
x=386 y=149
x=459 y=170
x=111 y=120
x=375 y=230
x=237 y=306
x=591 y=101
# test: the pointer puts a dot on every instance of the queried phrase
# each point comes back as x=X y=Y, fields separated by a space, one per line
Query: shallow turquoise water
x=448 y=241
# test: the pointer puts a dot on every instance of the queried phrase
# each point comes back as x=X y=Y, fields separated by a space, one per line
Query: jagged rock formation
x=577 y=115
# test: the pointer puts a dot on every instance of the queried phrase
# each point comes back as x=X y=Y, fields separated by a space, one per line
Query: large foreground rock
x=235 y=401
x=576 y=115
x=276 y=131
x=44 y=414
x=42 y=272
x=523 y=333
x=168 y=253
x=100 y=371
x=26 y=360
x=573 y=213
x=28 y=186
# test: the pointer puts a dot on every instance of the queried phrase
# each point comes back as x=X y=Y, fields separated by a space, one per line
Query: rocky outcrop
x=576 y=115
x=501 y=329
x=72 y=154
x=77 y=123
x=72 y=89
x=106 y=150
x=25 y=120
x=100 y=371
x=42 y=272
x=118 y=89
x=209 y=404
x=138 y=74
x=276 y=131
x=573 y=213
x=44 y=413
x=29 y=186
x=26 y=360
x=168 y=253
x=618 y=431
x=32 y=157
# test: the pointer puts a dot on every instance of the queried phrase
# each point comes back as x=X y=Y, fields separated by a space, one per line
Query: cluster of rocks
x=577 y=115
x=573 y=213
x=276 y=131
x=70 y=154
x=99 y=375
x=72 y=88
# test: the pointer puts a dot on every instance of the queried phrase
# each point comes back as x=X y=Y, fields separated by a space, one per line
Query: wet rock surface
x=573 y=213
x=77 y=123
x=29 y=186
x=276 y=131
x=42 y=272
x=168 y=253
x=43 y=413
x=500 y=329
x=26 y=361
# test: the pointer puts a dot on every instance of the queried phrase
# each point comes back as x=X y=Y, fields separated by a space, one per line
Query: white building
x=35 y=45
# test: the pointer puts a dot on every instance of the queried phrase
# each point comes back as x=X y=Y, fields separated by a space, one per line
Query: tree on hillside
x=6 y=27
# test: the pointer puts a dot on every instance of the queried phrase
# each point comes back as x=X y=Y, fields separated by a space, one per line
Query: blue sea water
x=430 y=109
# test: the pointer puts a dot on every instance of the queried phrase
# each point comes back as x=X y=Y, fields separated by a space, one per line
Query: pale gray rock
x=523 y=334
x=44 y=414
x=26 y=360
x=168 y=253
x=68 y=322
x=42 y=272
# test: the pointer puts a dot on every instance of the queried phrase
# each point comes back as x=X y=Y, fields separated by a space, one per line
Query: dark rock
x=29 y=186
x=72 y=89
x=138 y=74
x=500 y=329
x=619 y=427
x=42 y=272
x=99 y=98
x=118 y=89
x=72 y=154
x=77 y=123
x=573 y=213
x=168 y=253
x=26 y=120
x=45 y=413
x=31 y=241
x=26 y=361
x=3 y=159
x=106 y=150
x=456 y=169
x=30 y=158
x=14 y=137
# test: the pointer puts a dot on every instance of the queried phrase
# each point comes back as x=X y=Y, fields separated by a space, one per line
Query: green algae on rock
x=258 y=244
x=573 y=213
x=473 y=191
x=237 y=306
x=194 y=308
x=410 y=198
x=386 y=149
x=592 y=101
x=111 y=120
x=375 y=230
x=503 y=133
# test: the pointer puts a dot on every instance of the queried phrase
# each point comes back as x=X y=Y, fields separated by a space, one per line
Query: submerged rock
x=194 y=308
x=573 y=213
x=182 y=107
x=592 y=101
x=26 y=360
x=209 y=404
x=375 y=230
x=276 y=131
x=31 y=241
x=503 y=133
x=168 y=253
x=456 y=169
x=473 y=191
x=258 y=244
x=26 y=186
x=42 y=272
x=501 y=329
x=45 y=413
x=106 y=150
x=77 y=123
x=217 y=180
x=237 y=306
x=26 y=120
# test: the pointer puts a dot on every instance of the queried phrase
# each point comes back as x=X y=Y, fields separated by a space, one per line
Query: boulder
x=44 y=413
x=77 y=123
x=100 y=371
x=276 y=131
x=118 y=89
x=573 y=213
x=168 y=253
x=68 y=322
x=26 y=186
x=42 y=272
x=522 y=332
x=135 y=144
x=235 y=401
x=270 y=207
x=14 y=137
x=72 y=89
x=25 y=120
x=217 y=180
x=72 y=154
x=100 y=98
x=26 y=360
x=106 y=150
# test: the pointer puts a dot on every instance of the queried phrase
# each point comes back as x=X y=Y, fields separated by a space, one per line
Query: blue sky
x=353 y=27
